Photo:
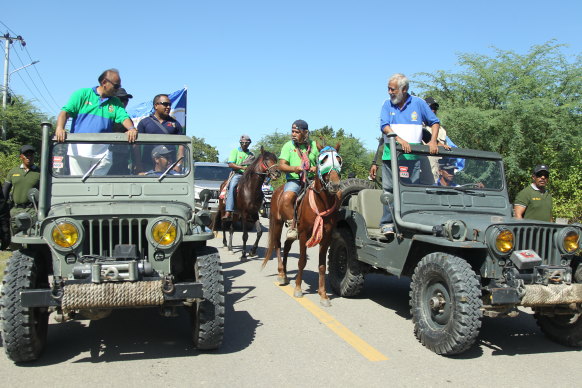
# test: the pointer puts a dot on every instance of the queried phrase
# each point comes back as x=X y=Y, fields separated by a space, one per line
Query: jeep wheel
x=564 y=329
x=24 y=329
x=353 y=186
x=208 y=314
x=346 y=273
x=445 y=301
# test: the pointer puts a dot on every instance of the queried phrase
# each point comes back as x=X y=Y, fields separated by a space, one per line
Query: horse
x=249 y=198
x=316 y=217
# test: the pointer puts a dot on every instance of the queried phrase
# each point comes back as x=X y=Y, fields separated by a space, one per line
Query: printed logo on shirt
x=414 y=116
x=88 y=103
x=110 y=108
x=15 y=174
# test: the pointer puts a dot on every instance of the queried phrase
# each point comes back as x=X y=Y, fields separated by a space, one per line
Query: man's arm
x=60 y=132
x=6 y=190
x=432 y=144
x=518 y=211
x=131 y=130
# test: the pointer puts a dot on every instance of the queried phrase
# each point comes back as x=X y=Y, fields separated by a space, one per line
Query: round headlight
x=65 y=234
x=571 y=241
x=164 y=233
x=504 y=241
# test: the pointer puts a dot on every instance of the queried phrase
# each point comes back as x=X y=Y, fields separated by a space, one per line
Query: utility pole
x=8 y=41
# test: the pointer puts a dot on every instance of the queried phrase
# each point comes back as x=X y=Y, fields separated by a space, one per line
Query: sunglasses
x=245 y=142
x=543 y=174
x=166 y=104
x=115 y=86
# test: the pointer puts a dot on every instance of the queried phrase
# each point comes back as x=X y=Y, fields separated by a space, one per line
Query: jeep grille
x=539 y=239
x=104 y=234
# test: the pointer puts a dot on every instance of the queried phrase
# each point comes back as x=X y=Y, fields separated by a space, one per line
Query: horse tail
x=271 y=243
x=215 y=222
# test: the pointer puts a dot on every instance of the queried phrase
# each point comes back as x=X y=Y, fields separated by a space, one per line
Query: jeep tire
x=564 y=329
x=208 y=314
x=445 y=301
x=353 y=186
x=24 y=329
x=346 y=273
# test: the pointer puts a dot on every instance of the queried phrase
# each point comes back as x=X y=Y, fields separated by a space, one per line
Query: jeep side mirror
x=387 y=198
x=205 y=195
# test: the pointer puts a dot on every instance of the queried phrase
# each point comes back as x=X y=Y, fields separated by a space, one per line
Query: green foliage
x=526 y=107
x=23 y=121
x=203 y=152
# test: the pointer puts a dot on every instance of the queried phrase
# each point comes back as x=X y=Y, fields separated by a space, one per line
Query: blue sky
x=255 y=66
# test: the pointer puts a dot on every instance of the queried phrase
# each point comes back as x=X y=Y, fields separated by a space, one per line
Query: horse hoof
x=325 y=302
x=253 y=253
x=298 y=294
x=283 y=281
x=244 y=259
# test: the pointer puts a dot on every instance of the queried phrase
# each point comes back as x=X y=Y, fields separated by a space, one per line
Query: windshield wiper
x=467 y=189
x=93 y=167
x=170 y=168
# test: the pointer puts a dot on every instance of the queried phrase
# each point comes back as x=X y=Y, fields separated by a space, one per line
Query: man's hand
x=60 y=134
x=373 y=170
x=313 y=169
x=405 y=146
x=131 y=135
x=432 y=146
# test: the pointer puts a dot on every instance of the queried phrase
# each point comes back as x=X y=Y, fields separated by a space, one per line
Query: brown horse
x=249 y=197
x=317 y=208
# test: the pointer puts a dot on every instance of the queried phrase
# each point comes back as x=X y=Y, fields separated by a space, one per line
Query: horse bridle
x=328 y=167
x=271 y=170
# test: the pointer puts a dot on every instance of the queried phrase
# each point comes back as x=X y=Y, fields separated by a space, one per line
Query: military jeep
x=111 y=238
x=466 y=255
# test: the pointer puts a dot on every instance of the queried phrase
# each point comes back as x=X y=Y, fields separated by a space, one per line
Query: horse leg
x=223 y=226
x=245 y=236
x=298 y=293
x=259 y=230
x=231 y=231
x=324 y=299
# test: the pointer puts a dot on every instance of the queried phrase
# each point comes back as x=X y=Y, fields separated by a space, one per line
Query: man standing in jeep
x=404 y=115
x=535 y=201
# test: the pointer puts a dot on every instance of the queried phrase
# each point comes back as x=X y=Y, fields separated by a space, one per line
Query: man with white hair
x=235 y=161
x=404 y=115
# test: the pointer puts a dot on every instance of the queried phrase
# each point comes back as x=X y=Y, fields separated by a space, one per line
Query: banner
x=178 y=111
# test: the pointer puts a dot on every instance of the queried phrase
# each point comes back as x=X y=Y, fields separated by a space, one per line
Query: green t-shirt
x=290 y=153
x=22 y=181
x=387 y=156
x=538 y=205
x=237 y=156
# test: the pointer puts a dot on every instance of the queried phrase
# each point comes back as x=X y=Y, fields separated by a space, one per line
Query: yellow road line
x=334 y=325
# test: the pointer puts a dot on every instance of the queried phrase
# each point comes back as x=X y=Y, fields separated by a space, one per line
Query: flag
x=178 y=111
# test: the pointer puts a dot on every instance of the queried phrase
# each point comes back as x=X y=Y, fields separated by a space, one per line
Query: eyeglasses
x=166 y=104
x=115 y=86
x=543 y=174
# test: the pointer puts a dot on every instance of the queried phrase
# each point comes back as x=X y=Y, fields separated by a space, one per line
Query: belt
x=23 y=205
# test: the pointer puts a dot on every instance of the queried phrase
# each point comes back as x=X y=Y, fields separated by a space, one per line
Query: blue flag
x=178 y=111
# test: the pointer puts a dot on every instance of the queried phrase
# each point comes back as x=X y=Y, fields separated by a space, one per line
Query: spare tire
x=353 y=186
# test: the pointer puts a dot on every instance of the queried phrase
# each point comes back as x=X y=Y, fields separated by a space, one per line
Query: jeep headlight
x=504 y=241
x=570 y=240
x=164 y=233
x=65 y=234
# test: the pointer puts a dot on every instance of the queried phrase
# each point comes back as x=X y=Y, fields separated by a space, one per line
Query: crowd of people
x=101 y=109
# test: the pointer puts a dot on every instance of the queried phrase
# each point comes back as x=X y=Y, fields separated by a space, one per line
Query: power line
x=30 y=90
x=33 y=83
x=41 y=80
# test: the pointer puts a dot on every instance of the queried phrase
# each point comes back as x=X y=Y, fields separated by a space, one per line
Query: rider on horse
x=298 y=156
x=235 y=161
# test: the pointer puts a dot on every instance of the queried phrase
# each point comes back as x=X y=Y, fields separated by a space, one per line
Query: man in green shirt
x=535 y=201
x=298 y=157
x=20 y=180
x=235 y=161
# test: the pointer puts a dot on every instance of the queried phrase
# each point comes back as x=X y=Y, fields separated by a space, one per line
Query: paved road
x=272 y=340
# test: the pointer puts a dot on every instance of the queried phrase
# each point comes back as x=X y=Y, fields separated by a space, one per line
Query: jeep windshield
x=450 y=172
x=115 y=158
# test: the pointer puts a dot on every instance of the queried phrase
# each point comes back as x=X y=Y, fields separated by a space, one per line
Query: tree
x=526 y=107
x=203 y=152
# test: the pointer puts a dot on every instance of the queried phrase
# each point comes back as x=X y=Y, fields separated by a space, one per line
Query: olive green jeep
x=111 y=233
x=454 y=235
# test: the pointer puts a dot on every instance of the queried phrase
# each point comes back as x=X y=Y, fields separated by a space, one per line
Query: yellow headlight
x=164 y=232
x=571 y=241
x=65 y=234
x=504 y=241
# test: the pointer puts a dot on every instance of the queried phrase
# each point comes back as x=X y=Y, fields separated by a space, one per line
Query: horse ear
x=262 y=150
x=337 y=146
x=319 y=145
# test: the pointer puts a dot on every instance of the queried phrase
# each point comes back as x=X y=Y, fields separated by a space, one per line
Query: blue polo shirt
x=148 y=125
x=407 y=121
x=92 y=114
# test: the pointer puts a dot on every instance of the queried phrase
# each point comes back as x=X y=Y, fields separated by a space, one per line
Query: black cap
x=122 y=93
x=160 y=150
x=432 y=103
x=447 y=164
x=27 y=147
x=301 y=124
x=541 y=167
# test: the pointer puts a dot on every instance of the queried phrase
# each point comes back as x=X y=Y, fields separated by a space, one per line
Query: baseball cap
x=431 y=102
x=27 y=147
x=245 y=138
x=447 y=164
x=301 y=124
x=541 y=167
x=160 y=151
x=122 y=93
